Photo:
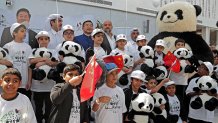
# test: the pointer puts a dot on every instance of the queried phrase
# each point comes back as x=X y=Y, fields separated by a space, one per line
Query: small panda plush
x=42 y=72
x=163 y=73
x=142 y=105
x=148 y=53
x=183 y=54
x=179 y=20
x=160 y=116
x=122 y=76
x=3 y=56
x=205 y=84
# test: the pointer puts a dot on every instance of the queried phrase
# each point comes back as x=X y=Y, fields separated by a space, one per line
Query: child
x=41 y=89
x=109 y=100
x=66 y=99
x=158 y=53
x=14 y=106
x=179 y=43
x=19 y=52
x=173 y=105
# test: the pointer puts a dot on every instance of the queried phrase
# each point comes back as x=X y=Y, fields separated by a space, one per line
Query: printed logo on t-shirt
x=114 y=104
x=174 y=107
x=19 y=57
x=13 y=116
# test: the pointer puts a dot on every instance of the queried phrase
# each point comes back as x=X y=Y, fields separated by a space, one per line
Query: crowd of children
x=60 y=103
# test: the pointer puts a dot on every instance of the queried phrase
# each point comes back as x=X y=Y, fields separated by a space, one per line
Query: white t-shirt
x=18 y=110
x=180 y=78
x=110 y=112
x=55 y=38
x=132 y=48
x=202 y=113
x=75 y=110
x=38 y=86
x=100 y=52
x=174 y=105
x=19 y=53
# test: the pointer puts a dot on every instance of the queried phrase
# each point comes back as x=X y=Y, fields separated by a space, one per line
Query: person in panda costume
x=200 y=115
x=5 y=60
x=179 y=20
x=137 y=79
x=42 y=58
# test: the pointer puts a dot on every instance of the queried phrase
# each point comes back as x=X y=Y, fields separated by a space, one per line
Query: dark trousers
x=197 y=121
x=39 y=99
x=25 y=92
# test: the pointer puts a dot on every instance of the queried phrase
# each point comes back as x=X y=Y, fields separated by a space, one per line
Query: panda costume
x=178 y=20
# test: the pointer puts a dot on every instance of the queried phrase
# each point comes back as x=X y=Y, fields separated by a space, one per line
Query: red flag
x=172 y=62
x=118 y=60
x=93 y=74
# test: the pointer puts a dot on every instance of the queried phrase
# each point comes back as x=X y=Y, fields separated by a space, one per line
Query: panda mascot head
x=178 y=20
x=142 y=105
x=3 y=56
x=207 y=85
x=41 y=73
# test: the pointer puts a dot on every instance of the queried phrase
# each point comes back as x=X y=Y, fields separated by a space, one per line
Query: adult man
x=85 y=39
x=109 y=38
x=131 y=45
x=54 y=22
x=23 y=16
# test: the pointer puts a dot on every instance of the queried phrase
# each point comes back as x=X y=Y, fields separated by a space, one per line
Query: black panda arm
x=32 y=66
x=189 y=69
x=80 y=58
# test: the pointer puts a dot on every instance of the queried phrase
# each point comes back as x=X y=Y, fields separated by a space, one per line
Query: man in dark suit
x=108 y=43
x=23 y=16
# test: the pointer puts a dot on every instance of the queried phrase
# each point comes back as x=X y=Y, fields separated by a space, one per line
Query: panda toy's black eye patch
x=147 y=51
x=179 y=13
x=76 y=48
x=126 y=60
x=160 y=101
x=151 y=106
x=154 y=100
x=209 y=84
x=66 y=47
x=163 y=14
x=141 y=105
x=3 y=53
x=41 y=53
x=179 y=52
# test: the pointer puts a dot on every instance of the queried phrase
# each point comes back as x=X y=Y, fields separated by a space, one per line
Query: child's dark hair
x=17 y=29
x=180 y=40
x=148 y=78
x=12 y=71
x=71 y=67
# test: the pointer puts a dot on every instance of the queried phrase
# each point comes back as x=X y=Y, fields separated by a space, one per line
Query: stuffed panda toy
x=42 y=72
x=148 y=53
x=183 y=54
x=123 y=79
x=163 y=73
x=142 y=105
x=159 y=116
x=179 y=20
x=205 y=84
x=3 y=56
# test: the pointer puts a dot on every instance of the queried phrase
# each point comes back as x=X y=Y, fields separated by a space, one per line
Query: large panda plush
x=179 y=20
x=142 y=105
x=42 y=72
x=3 y=56
x=205 y=83
x=159 y=116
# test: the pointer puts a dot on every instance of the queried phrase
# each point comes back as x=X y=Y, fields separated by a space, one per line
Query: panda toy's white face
x=158 y=99
x=177 y=17
x=42 y=52
x=127 y=60
x=147 y=51
x=164 y=73
x=143 y=103
x=71 y=47
x=206 y=83
x=181 y=53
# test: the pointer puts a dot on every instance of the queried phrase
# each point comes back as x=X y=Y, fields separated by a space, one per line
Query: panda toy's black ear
x=6 y=50
x=116 y=54
x=198 y=10
x=61 y=53
x=63 y=43
x=141 y=55
x=34 y=51
x=139 y=48
x=134 y=96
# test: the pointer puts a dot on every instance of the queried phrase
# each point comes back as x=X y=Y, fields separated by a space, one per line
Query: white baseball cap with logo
x=95 y=31
x=160 y=42
x=140 y=37
x=120 y=37
x=67 y=27
x=13 y=27
x=209 y=67
x=138 y=74
x=169 y=83
x=42 y=33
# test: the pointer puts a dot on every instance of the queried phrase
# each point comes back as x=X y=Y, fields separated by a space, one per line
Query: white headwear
x=51 y=17
x=13 y=27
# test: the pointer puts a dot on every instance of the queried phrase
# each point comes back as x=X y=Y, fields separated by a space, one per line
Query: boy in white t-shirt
x=19 y=52
x=109 y=100
x=14 y=107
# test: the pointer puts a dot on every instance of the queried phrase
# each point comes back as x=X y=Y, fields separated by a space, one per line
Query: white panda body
x=149 y=62
x=70 y=60
x=46 y=68
x=141 y=119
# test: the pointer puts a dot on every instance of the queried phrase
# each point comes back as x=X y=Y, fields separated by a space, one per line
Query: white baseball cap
x=13 y=27
x=95 y=31
x=160 y=42
x=209 y=67
x=169 y=83
x=140 y=37
x=67 y=27
x=138 y=74
x=54 y=16
x=120 y=37
x=42 y=33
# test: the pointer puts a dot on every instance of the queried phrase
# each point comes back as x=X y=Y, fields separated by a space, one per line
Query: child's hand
x=162 y=106
x=75 y=80
x=28 y=86
x=104 y=99
x=166 y=80
x=39 y=64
